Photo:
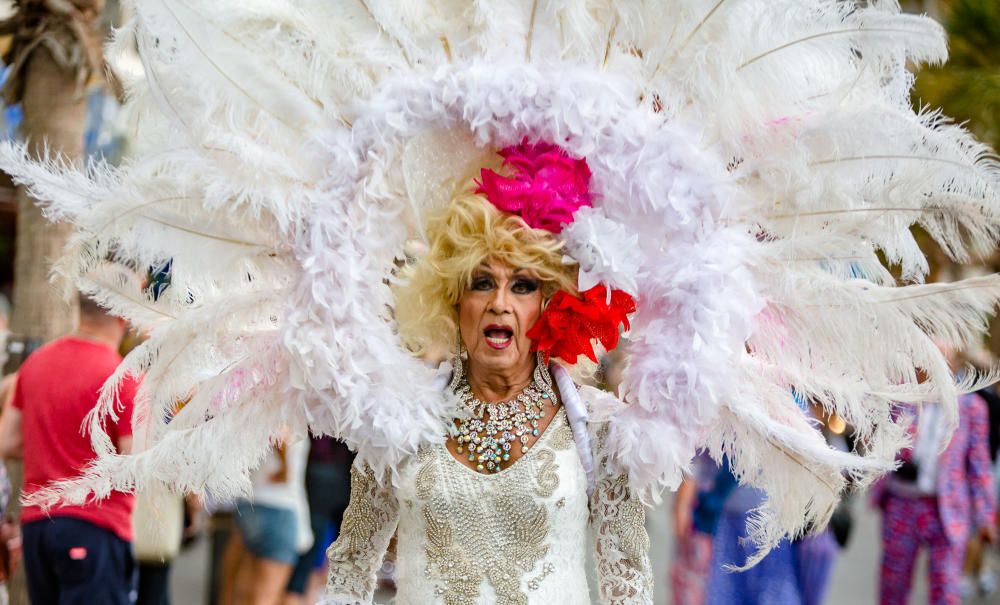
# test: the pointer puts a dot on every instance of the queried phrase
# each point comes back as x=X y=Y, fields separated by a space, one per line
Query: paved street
x=854 y=581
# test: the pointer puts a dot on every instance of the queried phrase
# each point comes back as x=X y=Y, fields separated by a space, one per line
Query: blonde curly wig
x=469 y=232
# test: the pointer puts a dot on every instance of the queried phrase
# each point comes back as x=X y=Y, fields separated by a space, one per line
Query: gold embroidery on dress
x=562 y=437
x=460 y=576
x=547 y=570
x=547 y=478
x=367 y=526
x=548 y=473
x=631 y=529
x=527 y=522
x=500 y=549
x=424 y=482
x=621 y=544
x=359 y=528
x=498 y=534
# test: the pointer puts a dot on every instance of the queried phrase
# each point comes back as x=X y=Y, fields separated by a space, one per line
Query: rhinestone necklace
x=493 y=429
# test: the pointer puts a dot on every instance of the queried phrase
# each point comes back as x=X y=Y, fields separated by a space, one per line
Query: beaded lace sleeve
x=621 y=545
x=368 y=525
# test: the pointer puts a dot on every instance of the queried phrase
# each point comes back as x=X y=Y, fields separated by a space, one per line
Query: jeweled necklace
x=493 y=429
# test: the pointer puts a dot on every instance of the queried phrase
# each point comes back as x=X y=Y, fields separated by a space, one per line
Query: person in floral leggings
x=936 y=500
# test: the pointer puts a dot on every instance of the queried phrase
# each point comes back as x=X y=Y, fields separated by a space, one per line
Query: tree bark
x=54 y=117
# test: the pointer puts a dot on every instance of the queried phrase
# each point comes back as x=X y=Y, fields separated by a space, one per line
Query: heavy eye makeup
x=482 y=283
x=524 y=285
x=520 y=284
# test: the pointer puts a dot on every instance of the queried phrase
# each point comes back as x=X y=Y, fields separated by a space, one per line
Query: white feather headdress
x=757 y=169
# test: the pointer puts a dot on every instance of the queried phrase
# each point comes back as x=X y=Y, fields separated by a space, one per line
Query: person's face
x=498 y=307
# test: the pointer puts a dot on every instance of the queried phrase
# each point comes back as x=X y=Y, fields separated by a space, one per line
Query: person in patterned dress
x=936 y=499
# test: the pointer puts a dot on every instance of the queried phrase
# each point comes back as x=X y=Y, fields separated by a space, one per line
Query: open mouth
x=498 y=337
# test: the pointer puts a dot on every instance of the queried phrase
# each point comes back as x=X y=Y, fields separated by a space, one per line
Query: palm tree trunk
x=54 y=116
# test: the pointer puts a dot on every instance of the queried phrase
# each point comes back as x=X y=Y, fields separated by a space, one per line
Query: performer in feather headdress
x=745 y=172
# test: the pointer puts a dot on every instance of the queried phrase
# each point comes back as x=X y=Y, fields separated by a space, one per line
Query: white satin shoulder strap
x=576 y=413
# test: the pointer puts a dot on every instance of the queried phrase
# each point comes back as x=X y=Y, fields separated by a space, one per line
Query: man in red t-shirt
x=72 y=554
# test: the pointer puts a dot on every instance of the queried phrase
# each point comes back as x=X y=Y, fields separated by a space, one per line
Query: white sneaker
x=987 y=582
x=966 y=588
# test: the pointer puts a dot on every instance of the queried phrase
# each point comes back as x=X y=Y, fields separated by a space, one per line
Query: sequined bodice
x=519 y=536
x=468 y=538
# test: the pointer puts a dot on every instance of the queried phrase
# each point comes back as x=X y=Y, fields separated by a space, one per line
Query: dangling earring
x=458 y=365
x=542 y=368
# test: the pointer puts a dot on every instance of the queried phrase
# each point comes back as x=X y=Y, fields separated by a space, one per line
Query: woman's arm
x=369 y=522
x=621 y=545
x=683 y=505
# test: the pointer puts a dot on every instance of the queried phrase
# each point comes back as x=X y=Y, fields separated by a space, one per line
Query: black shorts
x=69 y=561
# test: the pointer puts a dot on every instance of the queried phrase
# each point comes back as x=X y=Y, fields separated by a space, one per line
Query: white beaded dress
x=517 y=537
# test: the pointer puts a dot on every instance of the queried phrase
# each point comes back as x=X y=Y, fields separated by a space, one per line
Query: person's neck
x=97 y=334
x=493 y=386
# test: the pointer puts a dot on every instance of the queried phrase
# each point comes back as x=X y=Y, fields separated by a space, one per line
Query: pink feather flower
x=546 y=188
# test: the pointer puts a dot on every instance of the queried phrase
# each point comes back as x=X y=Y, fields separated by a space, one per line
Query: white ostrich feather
x=757 y=172
x=223 y=54
x=54 y=179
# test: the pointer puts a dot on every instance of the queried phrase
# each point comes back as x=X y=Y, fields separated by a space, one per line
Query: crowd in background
x=942 y=497
x=118 y=551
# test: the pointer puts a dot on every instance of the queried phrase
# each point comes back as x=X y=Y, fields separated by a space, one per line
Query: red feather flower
x=568 y=326
x=546 y=188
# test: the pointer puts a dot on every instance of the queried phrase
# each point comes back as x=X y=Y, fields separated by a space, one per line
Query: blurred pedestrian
x=4 y=325
x=221 y=527
x=162 y=522
x=978 y=576
x=815 y=555
x=816 y=552
x=772 y=581
x=328 y=488
x=273 y=529
x=697 y=509
x=10 y=533
x=936 y=499
x=795 y=572
x=72 y=554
